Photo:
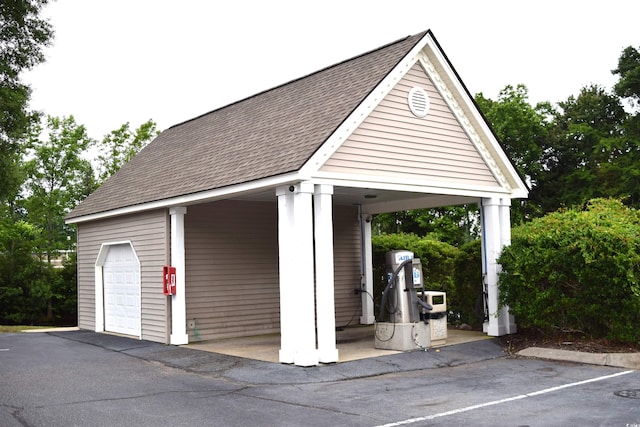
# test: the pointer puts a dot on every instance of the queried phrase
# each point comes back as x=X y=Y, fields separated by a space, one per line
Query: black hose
x=392 y=280
x=424 y=304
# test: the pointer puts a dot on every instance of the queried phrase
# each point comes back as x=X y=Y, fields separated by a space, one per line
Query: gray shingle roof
x=268 y=134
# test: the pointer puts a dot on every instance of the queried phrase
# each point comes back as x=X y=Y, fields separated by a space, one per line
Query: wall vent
x=418 y=102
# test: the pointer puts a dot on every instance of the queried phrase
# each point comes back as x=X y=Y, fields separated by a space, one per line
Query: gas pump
x=404 y=317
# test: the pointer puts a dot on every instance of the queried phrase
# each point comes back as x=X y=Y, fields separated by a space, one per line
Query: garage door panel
x=131 y=303
x=121 y=272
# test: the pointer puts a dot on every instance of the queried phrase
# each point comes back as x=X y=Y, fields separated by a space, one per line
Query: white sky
x=117 y=61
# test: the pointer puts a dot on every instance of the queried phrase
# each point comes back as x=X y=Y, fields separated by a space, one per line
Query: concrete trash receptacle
x=438 y=317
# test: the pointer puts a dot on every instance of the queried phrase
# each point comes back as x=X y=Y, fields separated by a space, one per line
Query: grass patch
x=6 y=329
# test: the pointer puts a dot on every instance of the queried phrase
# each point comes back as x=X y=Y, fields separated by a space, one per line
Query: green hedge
x=31 y=291
x=577 y=270
x=465 y=296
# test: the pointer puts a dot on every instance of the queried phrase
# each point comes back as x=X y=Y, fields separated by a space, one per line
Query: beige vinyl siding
x=347 y=265
x=149 y=235
x=232 y=268
x=87 y=252
x=392 y=142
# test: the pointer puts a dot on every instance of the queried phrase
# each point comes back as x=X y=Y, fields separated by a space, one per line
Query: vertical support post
x=368 y=317
x=325 y=301
x=506 y=318
x=287 y=282
x=491 y=249
x=496 y=233
x=178 y=301
x=297 y=303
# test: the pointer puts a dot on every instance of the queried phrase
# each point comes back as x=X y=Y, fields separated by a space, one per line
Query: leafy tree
x=521 y=128
x=582 y=154
x=629 y=71
x=21 y=280
x=120 y=145
x=454 y=224
x=628 y=86
x=10 y=206
x=522 y=131
x=23 y=35
x=58 y=178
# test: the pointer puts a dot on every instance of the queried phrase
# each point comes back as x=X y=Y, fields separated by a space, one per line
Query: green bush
x=22 y=282
x=464 y=298
x=31 y=291
x=578 y=271
x=64 y=302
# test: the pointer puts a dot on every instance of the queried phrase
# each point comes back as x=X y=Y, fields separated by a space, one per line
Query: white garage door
x=121 y=275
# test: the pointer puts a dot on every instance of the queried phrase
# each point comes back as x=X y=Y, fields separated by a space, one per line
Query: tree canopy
x=582 y=155
x=628 y=85
x=23 y=35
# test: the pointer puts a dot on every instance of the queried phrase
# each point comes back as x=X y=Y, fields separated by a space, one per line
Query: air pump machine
x=403 y=321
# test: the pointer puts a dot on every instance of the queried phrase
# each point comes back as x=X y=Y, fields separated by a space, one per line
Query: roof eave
x=195 y=198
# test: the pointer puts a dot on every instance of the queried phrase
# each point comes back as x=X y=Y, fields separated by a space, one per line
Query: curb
x=619 y=360
x=60 y=329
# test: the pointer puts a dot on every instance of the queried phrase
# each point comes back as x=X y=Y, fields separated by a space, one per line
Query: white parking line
x=498 y=402
x=4 y=349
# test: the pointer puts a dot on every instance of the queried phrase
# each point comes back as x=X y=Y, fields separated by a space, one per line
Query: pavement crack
x=16 y=413
x=299 y=405
x=209 y=393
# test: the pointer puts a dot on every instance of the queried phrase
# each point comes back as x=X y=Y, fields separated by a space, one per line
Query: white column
x=506 y=319
x=178 y=301
x=287 y=282
x=325 y=301
x=490 y=251
x=297 y=303
x=368 y=317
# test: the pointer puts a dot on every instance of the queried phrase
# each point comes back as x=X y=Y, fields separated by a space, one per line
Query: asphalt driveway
x=81 y=378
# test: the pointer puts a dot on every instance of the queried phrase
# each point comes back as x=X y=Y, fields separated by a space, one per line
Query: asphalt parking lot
x=81 y=378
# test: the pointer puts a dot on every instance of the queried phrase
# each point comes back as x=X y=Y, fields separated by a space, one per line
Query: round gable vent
x=418 y=102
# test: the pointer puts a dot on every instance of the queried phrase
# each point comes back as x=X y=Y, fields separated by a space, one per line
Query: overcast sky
x=117 y=61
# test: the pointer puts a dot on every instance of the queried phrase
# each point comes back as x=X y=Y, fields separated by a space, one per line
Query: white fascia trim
x=201 y=197
x=413 y=186
x=494 y=151
x=356 y=118
x=102 y=253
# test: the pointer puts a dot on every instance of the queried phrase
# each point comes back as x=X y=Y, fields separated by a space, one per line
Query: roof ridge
x=297 y=79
